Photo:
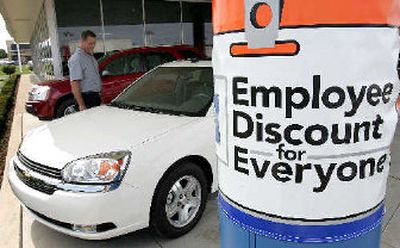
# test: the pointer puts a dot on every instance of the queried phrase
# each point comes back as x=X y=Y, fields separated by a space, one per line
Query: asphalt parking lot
x=18 y=229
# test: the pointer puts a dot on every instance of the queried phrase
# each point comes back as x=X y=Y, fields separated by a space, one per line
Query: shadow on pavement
x=205 y=234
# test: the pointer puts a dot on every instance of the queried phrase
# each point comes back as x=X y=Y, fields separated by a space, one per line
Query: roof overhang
x=20 y=17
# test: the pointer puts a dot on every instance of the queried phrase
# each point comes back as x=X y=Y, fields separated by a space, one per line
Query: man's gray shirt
x=83 y=67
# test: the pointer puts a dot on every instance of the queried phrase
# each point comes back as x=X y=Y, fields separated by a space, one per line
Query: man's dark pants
x=91 y=99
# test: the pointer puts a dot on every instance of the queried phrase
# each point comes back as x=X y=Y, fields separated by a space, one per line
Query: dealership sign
x=306 y=94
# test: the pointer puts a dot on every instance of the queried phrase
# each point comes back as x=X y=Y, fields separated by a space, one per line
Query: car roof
x=188 y=63
x=164 y=47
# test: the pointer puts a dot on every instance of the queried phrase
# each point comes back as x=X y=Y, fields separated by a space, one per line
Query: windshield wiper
x=145 y=109
x=154 y=110
x=135 y=107
x=151 y=109
x=119 y=105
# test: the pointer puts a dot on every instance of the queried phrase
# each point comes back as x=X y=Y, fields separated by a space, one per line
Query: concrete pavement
x=10 y=211
x=18 y=229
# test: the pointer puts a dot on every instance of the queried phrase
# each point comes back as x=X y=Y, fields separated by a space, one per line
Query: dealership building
x=53 y=27
x=24 y=50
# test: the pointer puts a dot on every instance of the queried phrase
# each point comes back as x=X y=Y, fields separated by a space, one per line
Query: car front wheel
x=179 y=201
x=66 y=107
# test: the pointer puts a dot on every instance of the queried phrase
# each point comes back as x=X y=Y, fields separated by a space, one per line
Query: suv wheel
x=66 y=107
x=179 y=201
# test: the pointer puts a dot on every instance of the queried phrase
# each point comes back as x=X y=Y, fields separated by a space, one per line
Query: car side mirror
x=105 y=73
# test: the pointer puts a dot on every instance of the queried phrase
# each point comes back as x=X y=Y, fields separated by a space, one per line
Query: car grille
x=39 y=168
x=34 y=183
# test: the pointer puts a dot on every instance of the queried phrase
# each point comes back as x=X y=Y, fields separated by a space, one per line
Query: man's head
x=88 y=41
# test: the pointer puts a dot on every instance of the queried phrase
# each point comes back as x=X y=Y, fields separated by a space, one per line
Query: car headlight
x=97 y=169
x=39 y=93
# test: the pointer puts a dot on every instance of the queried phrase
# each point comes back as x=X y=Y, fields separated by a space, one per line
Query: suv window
x=126 y=64
x=153 y=59
x=116 y=66
x=134 y=63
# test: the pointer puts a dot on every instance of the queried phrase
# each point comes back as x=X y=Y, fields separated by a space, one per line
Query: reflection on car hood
x=98 y=130
x=55 y=83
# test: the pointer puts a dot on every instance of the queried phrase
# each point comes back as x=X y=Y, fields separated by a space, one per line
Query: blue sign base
x=234 y=236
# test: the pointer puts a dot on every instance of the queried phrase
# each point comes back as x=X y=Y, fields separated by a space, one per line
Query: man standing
x=84 y=73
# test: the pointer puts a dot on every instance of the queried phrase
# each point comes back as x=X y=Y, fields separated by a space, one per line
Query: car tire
x=66 y=107
x=189 y=201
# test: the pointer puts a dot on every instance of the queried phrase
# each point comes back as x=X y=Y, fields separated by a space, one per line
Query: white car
x=147 y=159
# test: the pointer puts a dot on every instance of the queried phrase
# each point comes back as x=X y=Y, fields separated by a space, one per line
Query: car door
x=120 y=73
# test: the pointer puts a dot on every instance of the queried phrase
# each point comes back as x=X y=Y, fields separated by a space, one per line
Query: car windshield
x=170 y=90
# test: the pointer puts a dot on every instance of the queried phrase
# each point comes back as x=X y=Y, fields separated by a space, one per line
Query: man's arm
x=75 y=75
x=76 y=90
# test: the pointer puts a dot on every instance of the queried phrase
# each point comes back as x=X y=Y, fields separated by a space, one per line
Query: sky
x=4 y=35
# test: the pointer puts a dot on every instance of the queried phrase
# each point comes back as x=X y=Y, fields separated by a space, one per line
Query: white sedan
x=147 y=159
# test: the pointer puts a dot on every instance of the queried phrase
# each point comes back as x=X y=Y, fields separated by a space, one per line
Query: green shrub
x=6 y=99
x=9 y=69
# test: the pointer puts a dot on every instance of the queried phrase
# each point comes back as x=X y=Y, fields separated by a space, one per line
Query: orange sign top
x=228 y=15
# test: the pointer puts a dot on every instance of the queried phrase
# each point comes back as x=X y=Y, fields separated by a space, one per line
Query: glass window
x=118 y=66
x=171 y=90
x=135 y=63
x=73 y=17
x=77 y=13
x=162 y=23
x=41 y=45
x=123 y=24
x=154 y=59
x=106 y=56
x=126 y=64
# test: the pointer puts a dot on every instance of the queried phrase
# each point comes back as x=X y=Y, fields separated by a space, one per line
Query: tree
x=3 y=54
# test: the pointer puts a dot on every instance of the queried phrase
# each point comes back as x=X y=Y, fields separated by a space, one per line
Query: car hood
x=98 y=130
x=54 y=83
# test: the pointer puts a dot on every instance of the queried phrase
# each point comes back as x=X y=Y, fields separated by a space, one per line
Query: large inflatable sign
x=305 y=95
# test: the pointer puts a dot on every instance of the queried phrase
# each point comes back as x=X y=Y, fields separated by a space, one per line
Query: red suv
x=53 y=99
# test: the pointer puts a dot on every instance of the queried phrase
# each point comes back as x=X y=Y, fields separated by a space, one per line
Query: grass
x=25 y=70
x=6 y=99
x=7 y=96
